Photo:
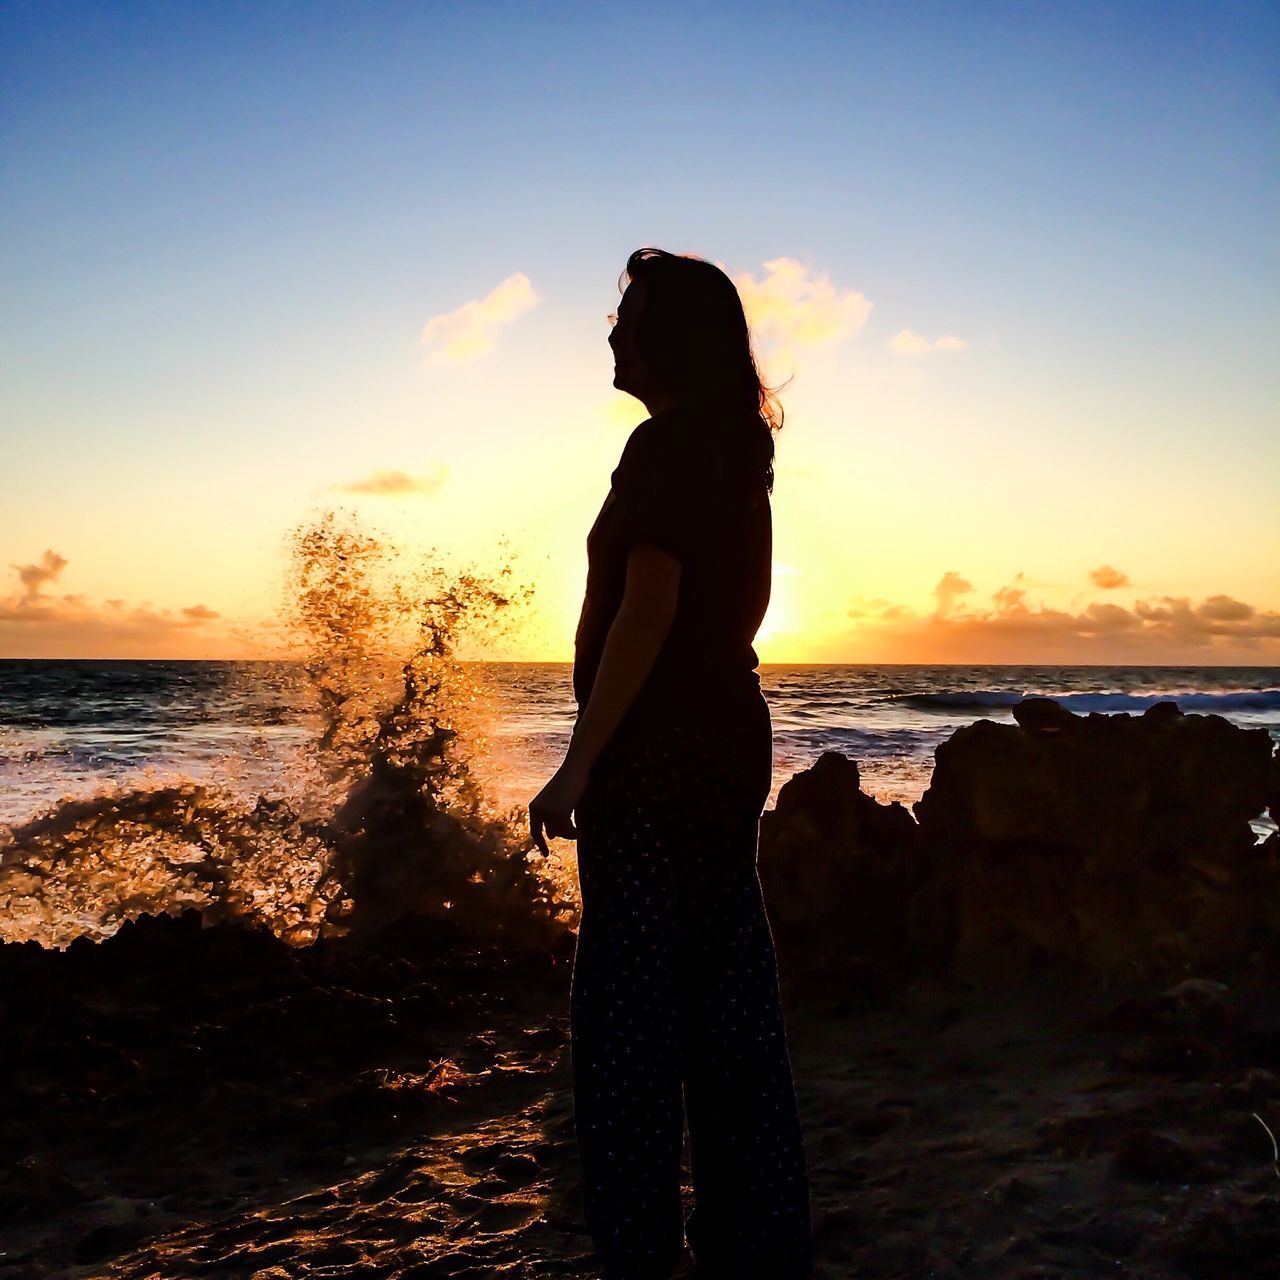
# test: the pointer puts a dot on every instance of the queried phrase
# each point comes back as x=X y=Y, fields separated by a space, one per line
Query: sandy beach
x=209 y=1105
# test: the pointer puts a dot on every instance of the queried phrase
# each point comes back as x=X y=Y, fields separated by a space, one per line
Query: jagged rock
x=1117 y=845
x=1147 y=1156
x=1120 y=843
x=1042 y=715
x=837 y=868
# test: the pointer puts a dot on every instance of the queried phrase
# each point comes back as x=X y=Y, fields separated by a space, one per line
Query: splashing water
x=384 y=817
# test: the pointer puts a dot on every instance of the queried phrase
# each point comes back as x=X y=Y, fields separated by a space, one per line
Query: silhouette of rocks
x=837 y=868
x=1147 y=1156
x=1114 y=844
x=1042 y=715
x=1236 y=1239
x=1118 y=842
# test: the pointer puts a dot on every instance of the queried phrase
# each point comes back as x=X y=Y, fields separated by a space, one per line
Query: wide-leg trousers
x=675 y=1001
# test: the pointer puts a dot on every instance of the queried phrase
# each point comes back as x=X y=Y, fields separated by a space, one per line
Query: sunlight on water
x=381 y=812
x=376 y=773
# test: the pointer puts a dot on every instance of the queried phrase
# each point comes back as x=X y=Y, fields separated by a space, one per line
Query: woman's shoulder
x=693 y=441
x=661 y=441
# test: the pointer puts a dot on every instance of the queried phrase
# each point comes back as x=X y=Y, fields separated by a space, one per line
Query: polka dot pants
x=675 y=992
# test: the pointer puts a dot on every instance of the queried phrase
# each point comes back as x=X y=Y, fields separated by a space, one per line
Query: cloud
x=467 y=333
x=1108 y=578
x=1225 y=609
x=35 y=576
x=791 y=306
x=951 y=586
x=1111 y=617
x=397 y=482
x=909 y=343
x=1218 y=615
x=36 y=624
x=1009 y=597
x=1166 y=628
x=875 y=607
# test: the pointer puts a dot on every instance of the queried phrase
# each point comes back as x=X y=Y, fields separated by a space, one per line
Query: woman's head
x=682 y=335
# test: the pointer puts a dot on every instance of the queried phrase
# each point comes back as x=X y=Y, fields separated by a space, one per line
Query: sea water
x=69 y=728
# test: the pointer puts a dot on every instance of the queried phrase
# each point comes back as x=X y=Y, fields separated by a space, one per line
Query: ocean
x=118 y=778
x=71 y=728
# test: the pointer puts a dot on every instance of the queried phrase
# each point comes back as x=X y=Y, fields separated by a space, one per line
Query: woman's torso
x=707 y=663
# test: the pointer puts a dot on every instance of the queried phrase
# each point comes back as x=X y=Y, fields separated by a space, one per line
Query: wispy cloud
x=35 y=623
x=393 y=483
x=468 y=332
x=35 y=576
x=1010 y=596
x=792 y=306
x=951 y=586
x=907 y=342
x=1108 y=577
x=878 y=608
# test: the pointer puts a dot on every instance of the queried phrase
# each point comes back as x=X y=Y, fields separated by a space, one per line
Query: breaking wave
x=1260 y=700
x=384 y=816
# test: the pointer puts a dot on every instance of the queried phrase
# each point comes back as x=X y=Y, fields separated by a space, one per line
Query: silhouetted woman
x=675 y=985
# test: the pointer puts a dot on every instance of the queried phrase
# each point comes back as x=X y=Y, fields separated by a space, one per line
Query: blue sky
x=225 y=226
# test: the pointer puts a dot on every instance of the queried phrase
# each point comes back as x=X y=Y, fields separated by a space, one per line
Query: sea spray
x=387 y=818
x=404 y=728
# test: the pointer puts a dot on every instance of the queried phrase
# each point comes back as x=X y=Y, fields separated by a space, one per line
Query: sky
x=1016 y=263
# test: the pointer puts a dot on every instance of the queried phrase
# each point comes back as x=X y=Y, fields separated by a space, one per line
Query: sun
x=779 y=619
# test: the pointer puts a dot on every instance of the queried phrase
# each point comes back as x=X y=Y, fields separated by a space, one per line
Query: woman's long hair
x=692 y=335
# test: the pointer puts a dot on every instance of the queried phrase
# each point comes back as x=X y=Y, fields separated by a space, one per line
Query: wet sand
x=204 y=1102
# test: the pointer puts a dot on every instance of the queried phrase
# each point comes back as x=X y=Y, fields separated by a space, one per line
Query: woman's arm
x=635 y=637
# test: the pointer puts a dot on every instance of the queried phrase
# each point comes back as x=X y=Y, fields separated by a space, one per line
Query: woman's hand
x=552 y=808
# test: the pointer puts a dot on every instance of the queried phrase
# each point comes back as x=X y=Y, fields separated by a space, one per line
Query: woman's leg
x=752 y=1214
x=675 y=980
x=624 y=1017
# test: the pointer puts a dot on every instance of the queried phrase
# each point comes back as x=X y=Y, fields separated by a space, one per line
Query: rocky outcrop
x=1120 y=842
x=838 y=869
x=1115 y=843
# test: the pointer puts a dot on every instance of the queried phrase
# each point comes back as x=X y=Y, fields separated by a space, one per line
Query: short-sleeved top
x=685 y=485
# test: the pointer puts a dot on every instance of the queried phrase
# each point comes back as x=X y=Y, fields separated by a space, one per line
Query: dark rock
x=1146 y=1156
x=1118 y=846
x=32 y=1189
x=107 y=1241
x=1254 y=1088
x=1233 y=1239
x=1111 y=1238
x=1179 y=1029
x=1115 y=846
x=1042 y=715
x=516 y=1169
x=837 y=867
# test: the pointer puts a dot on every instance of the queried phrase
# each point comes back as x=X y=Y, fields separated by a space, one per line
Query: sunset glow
x=1031 y=408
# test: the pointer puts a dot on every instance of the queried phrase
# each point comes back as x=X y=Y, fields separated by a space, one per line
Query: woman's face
x=629 y=372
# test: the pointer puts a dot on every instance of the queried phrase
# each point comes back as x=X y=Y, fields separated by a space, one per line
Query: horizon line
x=539 y=662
